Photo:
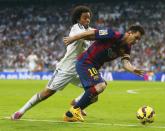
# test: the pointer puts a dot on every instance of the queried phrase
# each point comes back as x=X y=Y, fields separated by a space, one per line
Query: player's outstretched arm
x=129 y=67
x=85 y=35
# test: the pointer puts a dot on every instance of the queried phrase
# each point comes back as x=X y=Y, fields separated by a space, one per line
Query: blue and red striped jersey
x=107 y=47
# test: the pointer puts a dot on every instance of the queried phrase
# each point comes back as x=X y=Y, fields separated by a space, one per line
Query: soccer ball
x=145 y=114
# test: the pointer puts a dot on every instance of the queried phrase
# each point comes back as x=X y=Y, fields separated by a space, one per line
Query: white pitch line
x=87 y=123
x=132 y=92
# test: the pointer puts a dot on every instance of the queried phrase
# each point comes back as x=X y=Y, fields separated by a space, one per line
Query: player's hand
x=67 y=40
x=139 y=72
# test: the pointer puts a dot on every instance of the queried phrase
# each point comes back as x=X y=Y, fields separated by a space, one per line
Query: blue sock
x=86 y=98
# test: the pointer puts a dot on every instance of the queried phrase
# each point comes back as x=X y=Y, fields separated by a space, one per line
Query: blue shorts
x=88 y=74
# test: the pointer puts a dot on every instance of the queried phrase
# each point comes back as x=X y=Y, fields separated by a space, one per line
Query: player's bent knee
x=100 y=87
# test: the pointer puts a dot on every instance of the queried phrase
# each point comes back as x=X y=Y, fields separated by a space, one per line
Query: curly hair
x=77 y=12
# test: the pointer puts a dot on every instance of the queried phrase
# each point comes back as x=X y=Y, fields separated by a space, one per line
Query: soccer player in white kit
x=65 y=72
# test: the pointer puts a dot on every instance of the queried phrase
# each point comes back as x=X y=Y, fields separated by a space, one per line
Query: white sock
x=79 y=97
x=33 y=101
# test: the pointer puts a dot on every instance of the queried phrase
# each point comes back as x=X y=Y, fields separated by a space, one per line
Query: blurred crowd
x=31 y=38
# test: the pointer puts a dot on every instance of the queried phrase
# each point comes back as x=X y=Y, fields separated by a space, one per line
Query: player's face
x=132 y=37
x=85 y=19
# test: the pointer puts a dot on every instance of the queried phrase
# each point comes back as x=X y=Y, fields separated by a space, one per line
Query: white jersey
x=65 y=71
x=67 y=63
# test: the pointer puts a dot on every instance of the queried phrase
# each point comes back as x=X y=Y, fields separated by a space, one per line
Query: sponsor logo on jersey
x=103 y=32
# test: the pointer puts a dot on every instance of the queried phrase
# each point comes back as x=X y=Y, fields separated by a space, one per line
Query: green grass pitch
x=115 y=110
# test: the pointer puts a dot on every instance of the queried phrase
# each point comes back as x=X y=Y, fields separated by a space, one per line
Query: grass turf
x=115 y=110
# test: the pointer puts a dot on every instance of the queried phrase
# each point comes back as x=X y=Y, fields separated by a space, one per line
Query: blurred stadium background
x=37 y=27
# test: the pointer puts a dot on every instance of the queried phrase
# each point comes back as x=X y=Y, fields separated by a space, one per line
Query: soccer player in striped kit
x=108 y=46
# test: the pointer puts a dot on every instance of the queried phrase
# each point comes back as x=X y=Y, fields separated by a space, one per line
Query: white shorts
x=60 y=79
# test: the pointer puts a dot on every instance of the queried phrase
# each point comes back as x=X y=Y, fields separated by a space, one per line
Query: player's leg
x=58 y=81
x=76 y=81
x=37 y=98
x=74 y=102
x=93 y=85
x=89 y=95
x=74 y=114
x=77 y=99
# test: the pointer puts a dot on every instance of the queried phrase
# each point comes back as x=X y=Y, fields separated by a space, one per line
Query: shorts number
x=93 y=71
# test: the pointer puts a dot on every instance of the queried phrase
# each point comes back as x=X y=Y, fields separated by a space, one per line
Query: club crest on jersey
x=103 y=32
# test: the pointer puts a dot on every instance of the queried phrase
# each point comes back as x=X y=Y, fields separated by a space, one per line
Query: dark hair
x=77 y=12
x=135 y=28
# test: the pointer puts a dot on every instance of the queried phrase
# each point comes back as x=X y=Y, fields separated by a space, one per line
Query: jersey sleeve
x=73 y=31
x=104 y=34
x=76 y=29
